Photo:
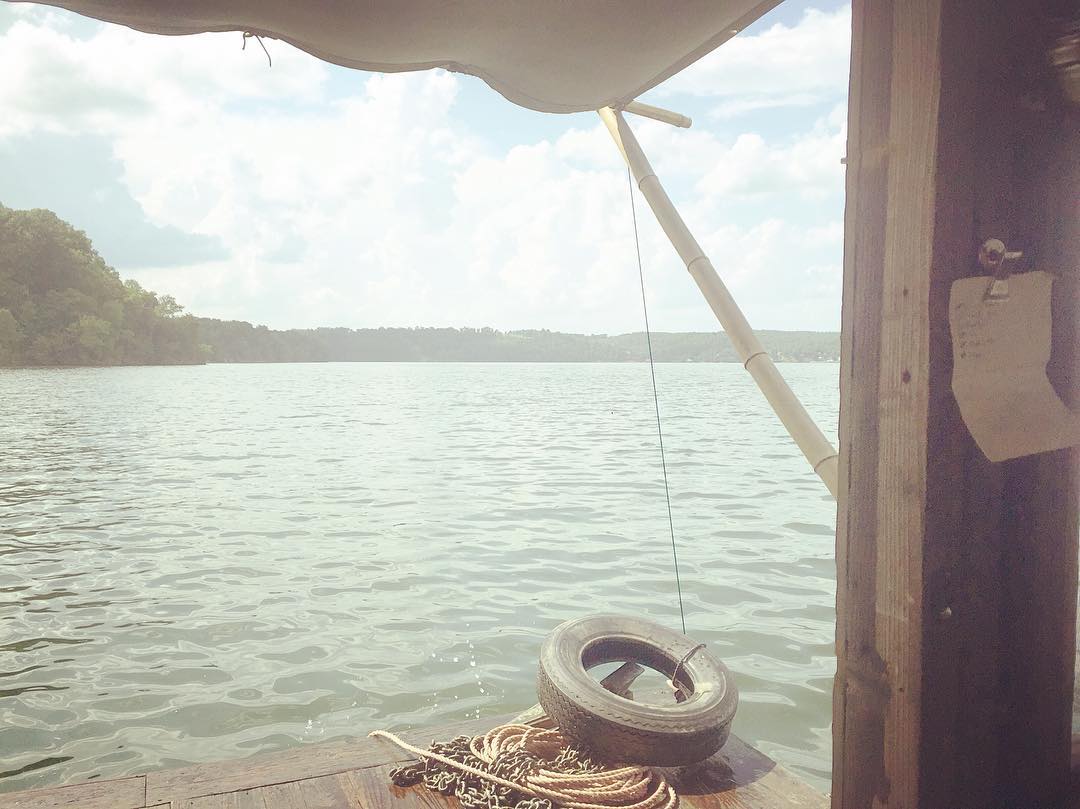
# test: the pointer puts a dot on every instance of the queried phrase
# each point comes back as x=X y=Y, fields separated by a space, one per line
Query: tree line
x=239 y=341
x=61 y=304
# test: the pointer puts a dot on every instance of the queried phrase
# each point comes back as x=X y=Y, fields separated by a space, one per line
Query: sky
x=306 y=194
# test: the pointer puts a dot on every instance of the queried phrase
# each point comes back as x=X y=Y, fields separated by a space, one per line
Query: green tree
x=94 y=341
x=10 y=339
x=64 y=305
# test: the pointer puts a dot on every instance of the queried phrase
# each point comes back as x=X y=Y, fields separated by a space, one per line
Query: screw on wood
x=993 y=255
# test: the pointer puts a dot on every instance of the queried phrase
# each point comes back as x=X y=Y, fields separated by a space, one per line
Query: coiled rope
x=525 y=767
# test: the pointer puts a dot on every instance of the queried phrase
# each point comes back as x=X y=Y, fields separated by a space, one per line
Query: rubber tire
x=620 y=730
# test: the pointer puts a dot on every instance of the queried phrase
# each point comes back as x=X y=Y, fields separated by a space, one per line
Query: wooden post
x=957 y=577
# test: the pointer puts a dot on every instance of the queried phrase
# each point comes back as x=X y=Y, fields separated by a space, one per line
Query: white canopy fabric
x=548 y=55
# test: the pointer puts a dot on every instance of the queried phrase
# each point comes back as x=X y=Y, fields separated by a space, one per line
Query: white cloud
x=831 y=233
x=808 y=167
x=57 y=82
x=386 y=206
x=737 y=107
x=781 y=66
x=797 y=168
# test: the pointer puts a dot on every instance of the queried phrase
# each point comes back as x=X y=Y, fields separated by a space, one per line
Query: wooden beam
x=884 y=344
x=957 y=577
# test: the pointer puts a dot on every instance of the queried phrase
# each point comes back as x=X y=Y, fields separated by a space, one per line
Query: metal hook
x=993 y=256
x=675 y=675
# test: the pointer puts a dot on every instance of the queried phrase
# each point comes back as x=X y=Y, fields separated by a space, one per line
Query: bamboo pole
x=817 y=449
x=658 y=114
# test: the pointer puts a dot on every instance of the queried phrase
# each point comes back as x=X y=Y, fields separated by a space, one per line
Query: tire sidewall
x=679 y=733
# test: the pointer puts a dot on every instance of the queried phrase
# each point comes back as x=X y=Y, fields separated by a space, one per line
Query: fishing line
x=656 y=400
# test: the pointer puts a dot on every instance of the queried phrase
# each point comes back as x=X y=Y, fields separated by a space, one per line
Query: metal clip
x=993 y=255
x=674 y=683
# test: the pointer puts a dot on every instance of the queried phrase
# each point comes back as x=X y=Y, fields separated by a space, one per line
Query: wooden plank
x=903 y=385
x=860 y=689
x=307 y=761
x=962 y=521
x=1042 y=515
x=122 y=793
x=371 y=789
x=740 y=777
x=324 y=793
x=891 y=116
x=247 y=799
x=1000 y=555
x=282 y=796
x=956 y=577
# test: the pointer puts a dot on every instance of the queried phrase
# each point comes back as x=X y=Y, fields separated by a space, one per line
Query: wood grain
x=282 y=796
x=247 y=799
x=1000 y=556
x=883 y=402
x=373 y=790
x=903 y=384
x=740 y=777
x=307 y=761
x=324 y=793
x=861 y=689
x=956 y=577
x=356 y=776
x=122 y=793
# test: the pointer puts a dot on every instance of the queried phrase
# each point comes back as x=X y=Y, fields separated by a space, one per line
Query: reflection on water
x=209 y=562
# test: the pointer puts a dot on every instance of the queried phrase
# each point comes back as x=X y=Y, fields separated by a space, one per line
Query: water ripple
x=209 y=562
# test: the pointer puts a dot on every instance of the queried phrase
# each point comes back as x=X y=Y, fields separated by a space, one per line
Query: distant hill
x=238 y=341
x=61 y=304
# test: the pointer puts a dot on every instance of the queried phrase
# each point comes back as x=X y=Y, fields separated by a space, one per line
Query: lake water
x=209 y=562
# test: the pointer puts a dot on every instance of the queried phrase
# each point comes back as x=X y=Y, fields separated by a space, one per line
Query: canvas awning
x=549 y=55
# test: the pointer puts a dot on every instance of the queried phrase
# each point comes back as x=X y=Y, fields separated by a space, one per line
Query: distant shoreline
x=403 y=362
x=239 y=341
x=62 y=306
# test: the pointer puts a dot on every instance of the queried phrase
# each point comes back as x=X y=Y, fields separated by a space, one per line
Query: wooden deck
x=354 y=775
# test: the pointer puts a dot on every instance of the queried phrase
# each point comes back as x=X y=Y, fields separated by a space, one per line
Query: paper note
x=1000 y=350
